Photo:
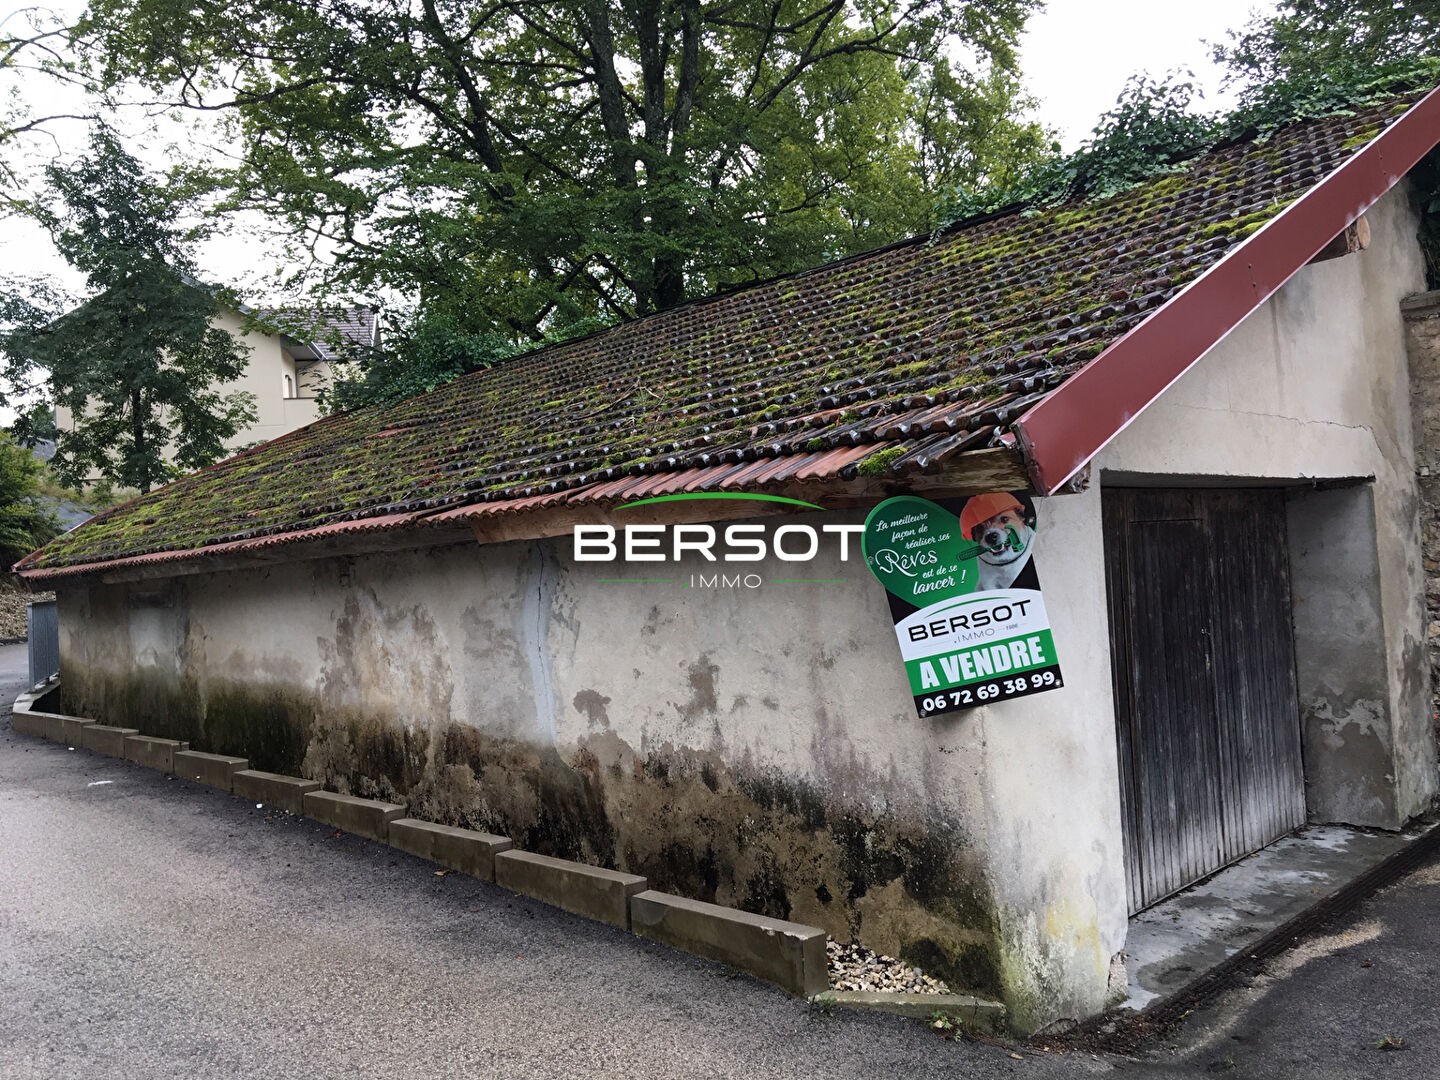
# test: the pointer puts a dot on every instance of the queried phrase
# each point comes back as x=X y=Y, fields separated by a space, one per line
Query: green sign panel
x=965 y=598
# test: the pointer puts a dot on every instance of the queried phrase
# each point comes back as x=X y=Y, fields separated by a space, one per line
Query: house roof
x=317 y=333
x=929 y=355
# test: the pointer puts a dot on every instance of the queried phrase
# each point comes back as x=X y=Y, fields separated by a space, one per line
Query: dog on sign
x=1004 y=529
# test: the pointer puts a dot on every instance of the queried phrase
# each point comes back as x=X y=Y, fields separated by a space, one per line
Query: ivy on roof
x=1154 y=130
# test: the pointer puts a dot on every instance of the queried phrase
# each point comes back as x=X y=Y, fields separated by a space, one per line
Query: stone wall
x=1422 y=338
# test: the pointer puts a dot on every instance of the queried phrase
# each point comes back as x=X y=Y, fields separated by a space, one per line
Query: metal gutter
x=1063 y=432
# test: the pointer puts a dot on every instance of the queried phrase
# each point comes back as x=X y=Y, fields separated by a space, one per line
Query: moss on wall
x=267 y=725
x=903 y=882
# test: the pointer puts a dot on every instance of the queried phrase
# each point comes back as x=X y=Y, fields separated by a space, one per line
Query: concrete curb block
x=286 y=792
x=578 y=888
x=214 y=770
x=363 y=817
x=37 y=725
x=72 y=729
x=978 y=1014
x=464 y=850
x=152 y=752
x=790 y=955
x=105 y=739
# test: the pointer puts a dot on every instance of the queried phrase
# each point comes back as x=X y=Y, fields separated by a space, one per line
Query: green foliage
x=1313 y=57
x=24 y=524
x=423 y=352
x=1150 y=129
x=138 y=363
x=1310 y=37
x=1153 y=130
x=525 y=166
x=878 y=463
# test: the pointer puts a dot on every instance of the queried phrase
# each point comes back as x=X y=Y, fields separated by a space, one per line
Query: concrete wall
x=1315 y=385
x=757 y=748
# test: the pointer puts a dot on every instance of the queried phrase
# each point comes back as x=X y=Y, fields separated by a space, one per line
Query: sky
x=1076 y=55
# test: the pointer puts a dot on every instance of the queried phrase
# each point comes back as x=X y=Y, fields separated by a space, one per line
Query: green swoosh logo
x=719 y=495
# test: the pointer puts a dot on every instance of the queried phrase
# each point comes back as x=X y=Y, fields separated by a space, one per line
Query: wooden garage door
x=1203 y=659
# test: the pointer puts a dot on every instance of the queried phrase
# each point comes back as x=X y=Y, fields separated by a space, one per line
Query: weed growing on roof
x=878 y=463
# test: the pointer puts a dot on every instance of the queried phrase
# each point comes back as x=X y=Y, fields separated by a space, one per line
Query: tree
x=1312 y=56
x=34 y=63
x=24 y=524
x=138 y=363
x=1311 y=37
x=516 y=166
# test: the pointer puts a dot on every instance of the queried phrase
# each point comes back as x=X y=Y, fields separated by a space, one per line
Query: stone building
x=1203 y=383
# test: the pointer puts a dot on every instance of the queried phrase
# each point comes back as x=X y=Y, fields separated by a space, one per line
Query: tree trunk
x=137 y=433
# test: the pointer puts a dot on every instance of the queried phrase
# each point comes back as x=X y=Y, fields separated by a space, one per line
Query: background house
x=286 y=373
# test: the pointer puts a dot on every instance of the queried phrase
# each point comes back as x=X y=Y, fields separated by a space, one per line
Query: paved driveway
x=153 y=928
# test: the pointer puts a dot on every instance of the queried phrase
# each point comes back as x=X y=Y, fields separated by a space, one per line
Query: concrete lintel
x=980 y=1014
x=578 y=888
x=286 y=792
x=216 y=770
x=465 y=850
x=790 y=955
x=363 y=817
x=153 y=753
x=107 y=739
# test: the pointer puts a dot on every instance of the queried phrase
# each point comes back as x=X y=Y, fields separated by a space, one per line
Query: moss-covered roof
x=920 y=350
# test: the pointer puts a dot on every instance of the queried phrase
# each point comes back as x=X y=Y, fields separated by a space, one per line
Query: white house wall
x=275 y=414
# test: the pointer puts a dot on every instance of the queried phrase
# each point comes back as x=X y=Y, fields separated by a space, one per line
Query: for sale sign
x=965 y=598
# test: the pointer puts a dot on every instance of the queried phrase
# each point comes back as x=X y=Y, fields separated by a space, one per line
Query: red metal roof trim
x=1075 y=422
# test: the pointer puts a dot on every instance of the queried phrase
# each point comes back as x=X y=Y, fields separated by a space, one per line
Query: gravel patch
x=854 y=967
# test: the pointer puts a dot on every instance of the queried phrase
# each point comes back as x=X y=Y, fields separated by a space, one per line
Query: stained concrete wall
x=1315 y=385
x=756 y=748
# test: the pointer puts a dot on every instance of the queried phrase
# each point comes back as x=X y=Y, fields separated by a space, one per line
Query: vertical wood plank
x=1207 y=713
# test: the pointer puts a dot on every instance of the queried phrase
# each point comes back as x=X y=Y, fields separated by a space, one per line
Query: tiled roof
x=351 y=326
x=895 y=360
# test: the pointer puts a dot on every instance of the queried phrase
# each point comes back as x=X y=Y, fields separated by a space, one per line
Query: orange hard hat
x=982 y=508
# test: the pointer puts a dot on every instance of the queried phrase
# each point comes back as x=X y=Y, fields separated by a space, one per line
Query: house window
x=289 y=387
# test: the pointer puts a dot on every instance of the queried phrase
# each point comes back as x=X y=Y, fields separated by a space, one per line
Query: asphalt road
x=153 y=928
